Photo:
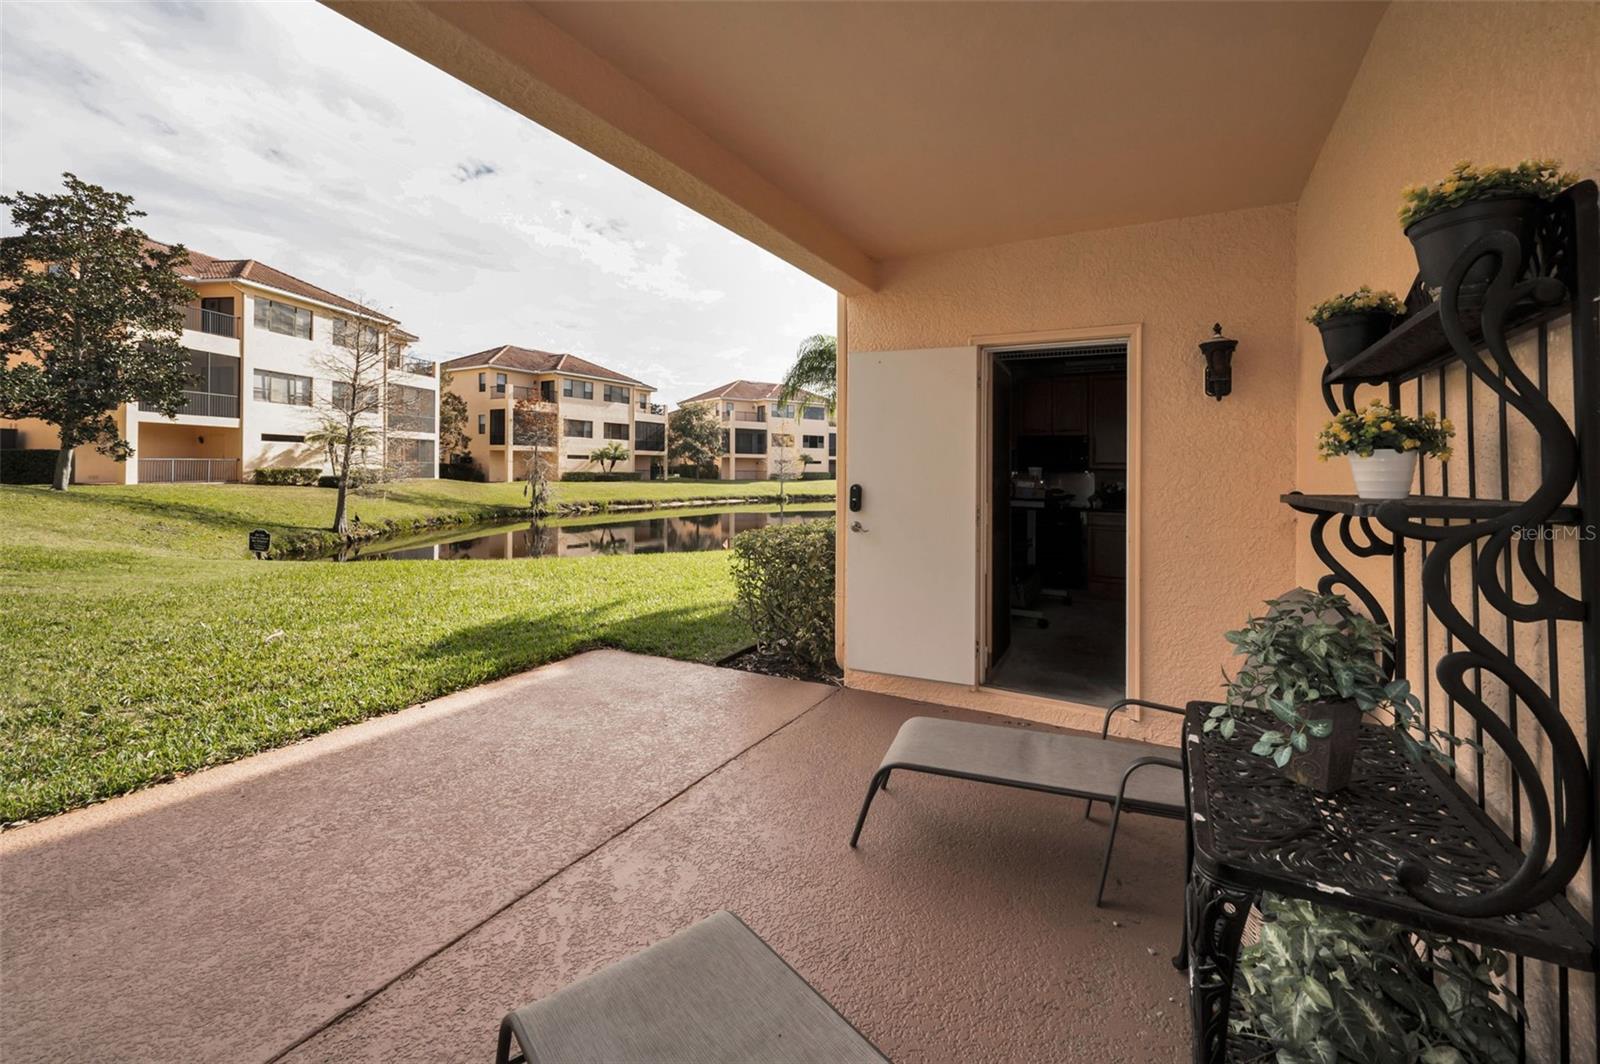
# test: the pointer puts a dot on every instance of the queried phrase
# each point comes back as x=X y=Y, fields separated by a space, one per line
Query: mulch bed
x=751 y=659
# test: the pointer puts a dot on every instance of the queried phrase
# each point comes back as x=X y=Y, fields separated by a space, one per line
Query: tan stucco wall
x=1215 y=540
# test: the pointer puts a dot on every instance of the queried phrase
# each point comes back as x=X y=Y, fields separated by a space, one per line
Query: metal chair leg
x=1111 y=841
x=503 y=1053
x=878 y=780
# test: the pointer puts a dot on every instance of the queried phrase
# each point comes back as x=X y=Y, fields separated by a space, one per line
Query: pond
x=584 y=536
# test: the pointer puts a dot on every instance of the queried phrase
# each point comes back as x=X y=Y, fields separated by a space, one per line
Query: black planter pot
x=1439 y=239
x=1327 y=763
x=1345 y=336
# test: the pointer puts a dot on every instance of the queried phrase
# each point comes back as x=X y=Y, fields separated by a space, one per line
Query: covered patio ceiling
x=840 y=135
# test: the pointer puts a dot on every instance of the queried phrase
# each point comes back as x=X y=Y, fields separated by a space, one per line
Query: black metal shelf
x=1418 y=344
x=1256 y=829
x=1421 y=508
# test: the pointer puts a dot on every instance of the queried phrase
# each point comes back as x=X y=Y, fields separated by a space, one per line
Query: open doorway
x=1059 y=479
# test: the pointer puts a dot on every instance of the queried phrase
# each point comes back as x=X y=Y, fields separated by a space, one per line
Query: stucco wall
x=1215 y=540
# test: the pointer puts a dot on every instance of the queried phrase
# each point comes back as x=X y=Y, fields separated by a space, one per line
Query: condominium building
x=264 y=351
x=593 y=406
x=764 y=435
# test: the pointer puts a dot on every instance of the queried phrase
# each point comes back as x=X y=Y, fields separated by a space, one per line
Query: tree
x=452 y=420
x=696 y=438
x=609 y=455
x=786 y=464
x=534 y=424
x=94 y=318
x=815 y=370
x=349 y=421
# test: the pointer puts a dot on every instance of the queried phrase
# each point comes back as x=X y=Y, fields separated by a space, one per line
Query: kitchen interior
x=1060 y=481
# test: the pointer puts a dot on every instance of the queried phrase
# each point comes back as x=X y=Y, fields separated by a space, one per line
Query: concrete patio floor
x=388 y=891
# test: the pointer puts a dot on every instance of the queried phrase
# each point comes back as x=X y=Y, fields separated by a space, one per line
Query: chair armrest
x=1105 y=725
x=1144 y=762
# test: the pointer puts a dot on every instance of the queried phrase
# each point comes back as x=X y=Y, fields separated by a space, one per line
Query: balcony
x=212 y=322
x=209 y=404
x=188 y=470
x=406 y=364
x=746 y=415
x=411 y=422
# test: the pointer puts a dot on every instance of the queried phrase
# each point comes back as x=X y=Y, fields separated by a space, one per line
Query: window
x=613 y=431
x=833 y=444
x=283 y=318
x=650 y=436
x=483 y=424
x=281 y=437
x=547 y=391
x=579 y=429
x=815 y=413
x=615 y=393
x=281 y=388
x=577 y=389
x=750 y=441
x=497 y=427
x=343 y=395
x=411 y=456
x=727 y=412
x=811 y=443
x=783 y=439
x=346 y=334
x=783 y=410
x=499 y=384
x=483 y=382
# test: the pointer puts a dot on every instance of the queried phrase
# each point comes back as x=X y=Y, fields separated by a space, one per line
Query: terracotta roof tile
x=747 y=392
x=203 y=267
x=532 y=361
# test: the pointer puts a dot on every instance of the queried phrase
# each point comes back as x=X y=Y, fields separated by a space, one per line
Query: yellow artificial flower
x=1410 y=445
x=1387 y=426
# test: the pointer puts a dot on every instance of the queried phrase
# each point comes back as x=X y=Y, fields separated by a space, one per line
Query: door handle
x=857 y=526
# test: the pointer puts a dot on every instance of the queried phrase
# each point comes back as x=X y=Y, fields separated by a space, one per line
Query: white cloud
x=286 y=133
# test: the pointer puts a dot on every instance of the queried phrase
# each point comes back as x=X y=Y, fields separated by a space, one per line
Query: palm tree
x=609 y=455
x=815 y=370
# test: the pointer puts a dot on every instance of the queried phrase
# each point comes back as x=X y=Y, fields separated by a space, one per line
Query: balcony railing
x=524 y=391
x=188 y=470
x=745 y=415
x=209 y=404
x=407 y=364
x=658 y=409
x=411 y=422
x=211 y=321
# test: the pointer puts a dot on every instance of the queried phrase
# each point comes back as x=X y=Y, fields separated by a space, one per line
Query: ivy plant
x=1325 y=986
x=1309 y=647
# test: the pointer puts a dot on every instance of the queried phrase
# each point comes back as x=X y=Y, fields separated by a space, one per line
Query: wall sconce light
x=1219 y=362
x=200 y=439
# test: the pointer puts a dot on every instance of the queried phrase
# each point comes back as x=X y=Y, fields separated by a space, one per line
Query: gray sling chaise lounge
x=714 y=993
x=1131 y=776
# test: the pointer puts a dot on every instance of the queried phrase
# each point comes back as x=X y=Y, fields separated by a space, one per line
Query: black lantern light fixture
x=1218 y=350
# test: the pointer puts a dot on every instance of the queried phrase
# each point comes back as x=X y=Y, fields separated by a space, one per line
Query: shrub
x=783 y=588
x=690 y=472
x=461 y=471
x=588 y=474
x=296 y=476
x=359 y=478
x=28 y=465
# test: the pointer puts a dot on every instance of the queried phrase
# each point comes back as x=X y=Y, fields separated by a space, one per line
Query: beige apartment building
x=261 y=346
x=765 y=436
x=594 y=406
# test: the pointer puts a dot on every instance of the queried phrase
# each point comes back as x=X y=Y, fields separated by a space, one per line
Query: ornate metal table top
x=1253 y=828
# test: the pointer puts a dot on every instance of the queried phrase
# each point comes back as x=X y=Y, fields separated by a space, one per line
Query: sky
x=285 y=133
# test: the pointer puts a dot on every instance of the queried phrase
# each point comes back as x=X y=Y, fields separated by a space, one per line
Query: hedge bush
x=28 y=465
x=292 y=476
x=462 y=471
x=783 y=588
x=591 y=475
x=359 y=478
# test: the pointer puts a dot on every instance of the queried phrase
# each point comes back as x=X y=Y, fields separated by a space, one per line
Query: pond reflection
x=631 y=535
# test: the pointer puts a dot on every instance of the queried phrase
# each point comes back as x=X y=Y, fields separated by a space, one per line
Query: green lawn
x=138 y=642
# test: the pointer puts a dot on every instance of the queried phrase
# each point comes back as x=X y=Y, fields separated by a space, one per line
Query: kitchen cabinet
x=1106 y=540
x=1054 y=407
x=1033 y=409
x=1108 y=420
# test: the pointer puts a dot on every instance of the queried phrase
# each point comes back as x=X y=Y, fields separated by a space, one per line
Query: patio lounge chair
x=1078 y=766
x=714 y=992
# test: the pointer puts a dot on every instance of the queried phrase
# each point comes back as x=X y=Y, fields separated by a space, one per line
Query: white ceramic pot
x=1386 y=475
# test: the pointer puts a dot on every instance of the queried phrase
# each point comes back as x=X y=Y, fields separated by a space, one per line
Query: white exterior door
x=911 y=576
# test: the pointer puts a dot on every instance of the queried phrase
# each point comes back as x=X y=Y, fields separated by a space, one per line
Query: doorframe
x=987 y=345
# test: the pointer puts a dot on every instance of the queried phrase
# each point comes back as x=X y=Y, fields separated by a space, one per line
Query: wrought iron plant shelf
x=1405 y=842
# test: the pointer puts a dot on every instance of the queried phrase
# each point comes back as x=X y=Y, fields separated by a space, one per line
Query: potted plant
x=1313 y=669
x=1443 y=218
x=1352 y=323
x=1382 y=445
x=1325 y=984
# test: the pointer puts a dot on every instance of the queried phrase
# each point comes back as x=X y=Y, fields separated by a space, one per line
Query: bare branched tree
x=350 y=419
x=534 y=424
